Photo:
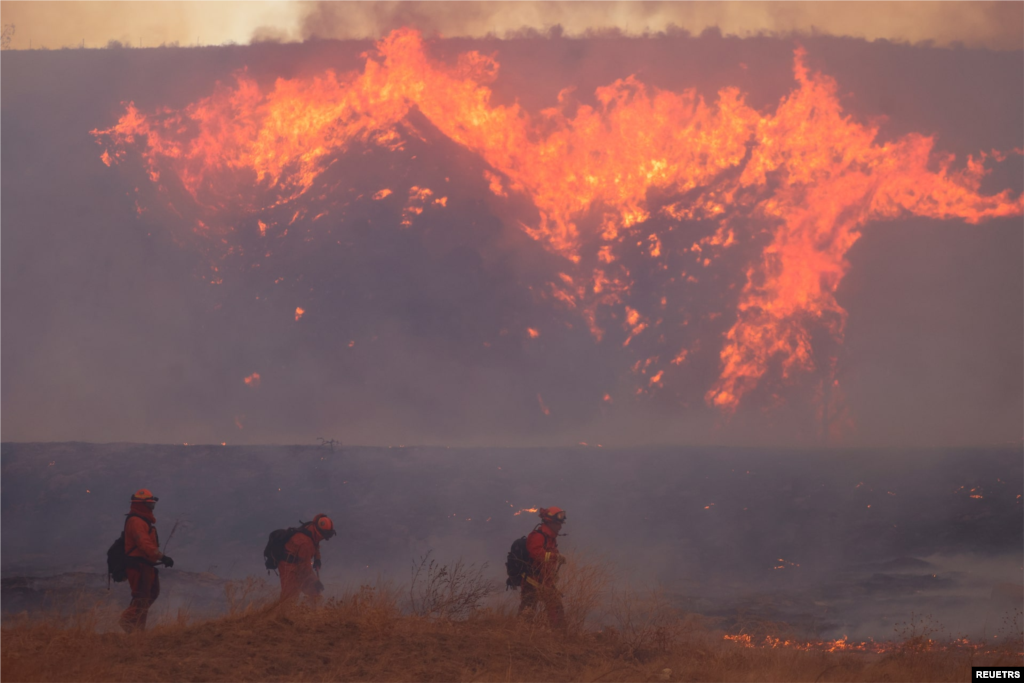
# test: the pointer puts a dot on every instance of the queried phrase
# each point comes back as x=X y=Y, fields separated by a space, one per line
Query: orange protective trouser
x=296 y=580
x=145 y=582
x=532 y=594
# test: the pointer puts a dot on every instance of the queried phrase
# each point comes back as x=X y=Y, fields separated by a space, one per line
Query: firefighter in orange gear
x=539 y=583
x=300 y=569
x=142 y=546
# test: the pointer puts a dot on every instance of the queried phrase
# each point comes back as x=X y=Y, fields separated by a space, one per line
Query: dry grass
x=365 y=636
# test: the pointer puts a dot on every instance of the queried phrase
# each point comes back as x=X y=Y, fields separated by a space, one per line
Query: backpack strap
x=132 y=514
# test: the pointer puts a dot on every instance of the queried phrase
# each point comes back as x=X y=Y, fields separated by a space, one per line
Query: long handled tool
x=170 y=536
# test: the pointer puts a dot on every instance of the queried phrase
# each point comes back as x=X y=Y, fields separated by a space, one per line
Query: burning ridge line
x=809 y=172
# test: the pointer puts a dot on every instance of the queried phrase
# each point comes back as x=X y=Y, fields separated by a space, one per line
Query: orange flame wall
x=806 y=174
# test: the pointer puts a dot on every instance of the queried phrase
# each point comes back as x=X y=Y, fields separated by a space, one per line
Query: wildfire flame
x=806 y=170
x=844 y=644
x=531 y=510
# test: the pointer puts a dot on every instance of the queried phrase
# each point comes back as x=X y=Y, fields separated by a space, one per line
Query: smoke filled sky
x=994 y=25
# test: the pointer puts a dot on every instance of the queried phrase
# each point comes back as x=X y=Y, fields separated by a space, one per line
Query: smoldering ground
x=116 y=329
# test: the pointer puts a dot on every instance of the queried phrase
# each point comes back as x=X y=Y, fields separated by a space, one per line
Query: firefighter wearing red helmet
x=300 y=569
x=142 y=548
x=539 y=584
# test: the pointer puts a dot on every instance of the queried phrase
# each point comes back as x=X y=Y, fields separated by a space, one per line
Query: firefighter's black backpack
x=117 y=559
x=274 y=554
x=517 y=564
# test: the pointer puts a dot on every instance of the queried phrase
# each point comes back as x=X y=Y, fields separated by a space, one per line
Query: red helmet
x=144 y=496
x=324 y=525
x=553 y=514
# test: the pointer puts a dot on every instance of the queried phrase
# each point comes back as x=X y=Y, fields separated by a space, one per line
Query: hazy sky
x=995 y=25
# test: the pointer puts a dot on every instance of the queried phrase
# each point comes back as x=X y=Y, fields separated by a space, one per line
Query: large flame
x=810 y=175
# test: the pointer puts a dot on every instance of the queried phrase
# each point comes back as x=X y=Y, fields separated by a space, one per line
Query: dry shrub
x=375 y=608
x=248 y=594
x=1011 y=631
x=56 y=644
x=917 y=634
x=81 y=612
x=447 y=591
x=184 y=614
x=583 y=583
x=645 y=621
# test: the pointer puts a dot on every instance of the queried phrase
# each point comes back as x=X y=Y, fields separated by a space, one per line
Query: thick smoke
x=118 y=329
x=60 y=24
x=976 y=24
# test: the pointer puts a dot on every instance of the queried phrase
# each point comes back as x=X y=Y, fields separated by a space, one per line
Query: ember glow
x=844 y=644
x=806 y=175
x=543 y=408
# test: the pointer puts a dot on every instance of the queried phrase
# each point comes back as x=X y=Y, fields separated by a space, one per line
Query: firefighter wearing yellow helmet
x=142 y=554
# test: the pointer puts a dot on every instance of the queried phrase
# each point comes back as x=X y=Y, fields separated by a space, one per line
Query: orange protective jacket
x=542 y=545
x=140 y=539
x=297 y=572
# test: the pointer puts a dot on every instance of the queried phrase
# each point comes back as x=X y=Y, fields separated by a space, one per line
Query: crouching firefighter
x=295 y=554
x=540 y=561
x=141 y=555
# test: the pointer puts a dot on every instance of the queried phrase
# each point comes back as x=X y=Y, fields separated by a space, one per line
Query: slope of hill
x=363 y=637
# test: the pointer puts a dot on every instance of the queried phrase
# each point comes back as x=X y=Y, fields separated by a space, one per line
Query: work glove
x=319 y=586
x=316 y=563
x=168 y=562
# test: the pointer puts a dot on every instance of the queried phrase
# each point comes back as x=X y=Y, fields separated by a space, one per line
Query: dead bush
x=248 y=594
x=583 y=583
x=376 y=609
x=645 y=621
x=447 y=591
